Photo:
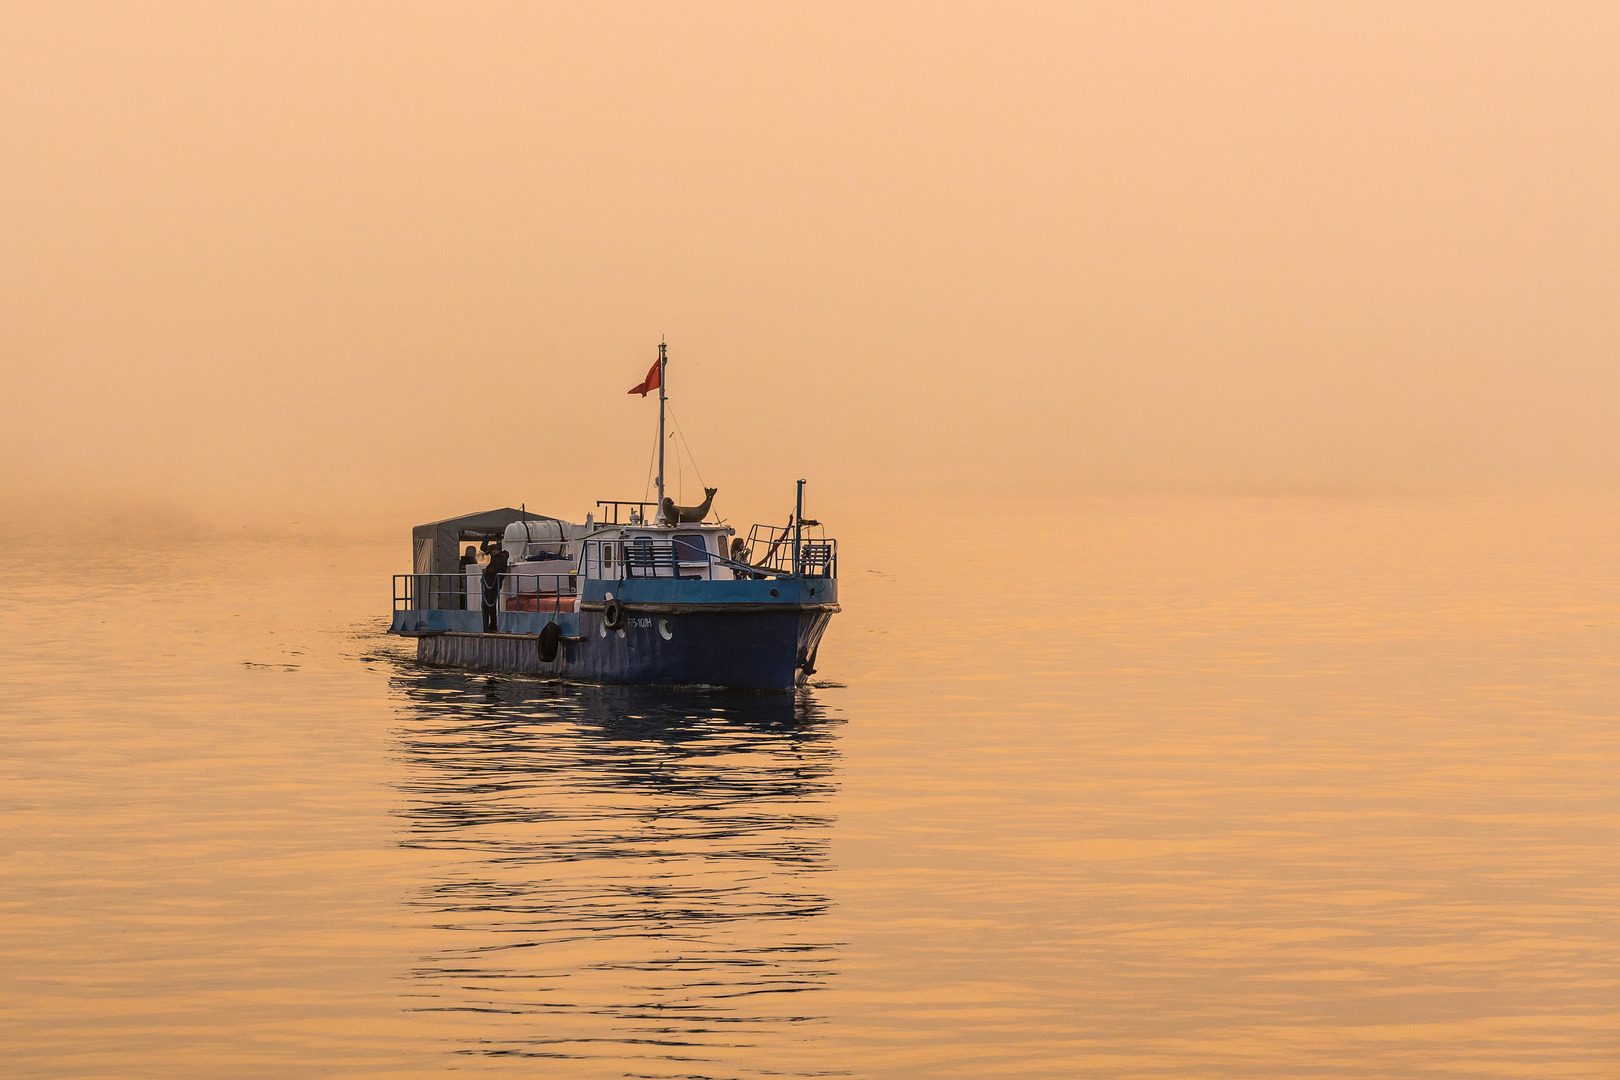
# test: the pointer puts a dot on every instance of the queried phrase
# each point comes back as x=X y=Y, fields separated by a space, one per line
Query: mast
x=663 y=362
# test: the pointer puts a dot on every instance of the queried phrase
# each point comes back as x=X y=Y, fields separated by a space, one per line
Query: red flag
x=651 y=382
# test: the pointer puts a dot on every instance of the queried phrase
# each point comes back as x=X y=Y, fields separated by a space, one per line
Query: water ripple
x=636 y=870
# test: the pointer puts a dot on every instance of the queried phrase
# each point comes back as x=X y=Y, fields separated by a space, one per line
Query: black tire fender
x=613 y=615
x=550 y=637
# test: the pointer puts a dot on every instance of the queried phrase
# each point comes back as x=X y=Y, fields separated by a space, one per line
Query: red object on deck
x=550 y=603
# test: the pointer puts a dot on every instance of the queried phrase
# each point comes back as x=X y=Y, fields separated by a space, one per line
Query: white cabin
x=690 y=552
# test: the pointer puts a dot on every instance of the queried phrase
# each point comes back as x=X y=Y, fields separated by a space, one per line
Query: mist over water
x=414 y=257
x=1220 y=787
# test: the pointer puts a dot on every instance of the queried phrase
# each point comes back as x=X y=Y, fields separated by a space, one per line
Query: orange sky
x=416 y=253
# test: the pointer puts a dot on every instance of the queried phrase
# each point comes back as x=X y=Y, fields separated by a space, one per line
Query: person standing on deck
x=492 y=590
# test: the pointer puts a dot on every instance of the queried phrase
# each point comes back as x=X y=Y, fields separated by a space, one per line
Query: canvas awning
x=436 y=546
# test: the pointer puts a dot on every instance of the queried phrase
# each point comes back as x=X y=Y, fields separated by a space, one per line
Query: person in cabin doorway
x=739 y=554
x=492 y=590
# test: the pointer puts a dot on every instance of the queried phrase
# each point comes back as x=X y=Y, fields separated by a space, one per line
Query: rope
x=689 y=453
x=652 y=460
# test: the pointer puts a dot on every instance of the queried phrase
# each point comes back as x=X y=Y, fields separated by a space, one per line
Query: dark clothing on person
x=492 y=590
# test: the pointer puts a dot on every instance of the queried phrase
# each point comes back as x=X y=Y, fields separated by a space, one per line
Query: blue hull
x=753 y=650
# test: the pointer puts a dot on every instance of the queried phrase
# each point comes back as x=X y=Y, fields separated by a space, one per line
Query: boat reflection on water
x=630 y=875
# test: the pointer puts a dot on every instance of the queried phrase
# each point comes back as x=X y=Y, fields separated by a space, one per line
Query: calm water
x=1170 y=788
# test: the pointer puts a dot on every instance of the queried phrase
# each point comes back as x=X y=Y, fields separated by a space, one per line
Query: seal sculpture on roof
x=679 y=515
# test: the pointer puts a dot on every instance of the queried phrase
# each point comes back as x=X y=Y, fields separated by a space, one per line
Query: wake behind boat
x=664 y=596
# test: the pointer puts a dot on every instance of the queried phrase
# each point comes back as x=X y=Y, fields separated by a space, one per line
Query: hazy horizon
x=305 y=255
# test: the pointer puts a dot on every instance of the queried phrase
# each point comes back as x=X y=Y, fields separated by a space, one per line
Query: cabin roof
x=483 y=521
x=664 y=530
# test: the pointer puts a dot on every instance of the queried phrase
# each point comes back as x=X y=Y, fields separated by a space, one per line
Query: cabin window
x=607 y=555
x=689 y=548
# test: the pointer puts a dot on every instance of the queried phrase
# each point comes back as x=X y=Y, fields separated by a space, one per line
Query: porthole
x=773 y=592
x=663 y=629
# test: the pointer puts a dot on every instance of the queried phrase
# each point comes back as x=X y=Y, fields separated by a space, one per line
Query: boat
x=651 y=594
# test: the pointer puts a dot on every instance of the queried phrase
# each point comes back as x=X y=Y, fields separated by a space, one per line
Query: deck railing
x=450 y=592
x=639 y=509
x=618 y=559
x=770 y=548
x=769 y=555
x=644 y=557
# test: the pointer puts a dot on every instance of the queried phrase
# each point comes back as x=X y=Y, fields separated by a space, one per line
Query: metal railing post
x=798 y=525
